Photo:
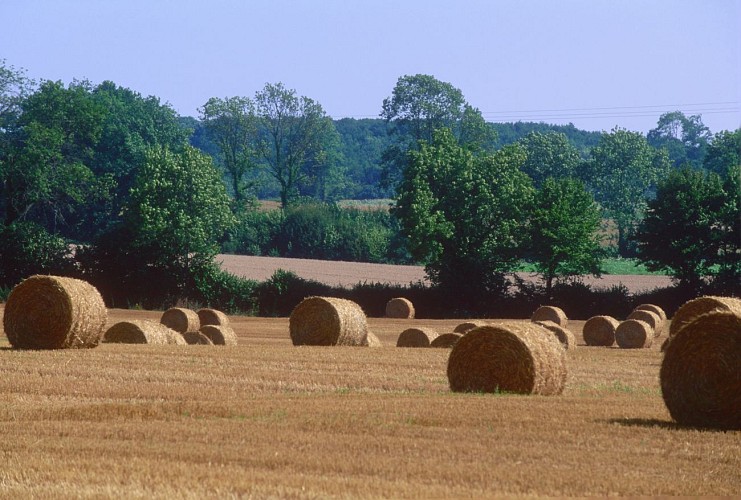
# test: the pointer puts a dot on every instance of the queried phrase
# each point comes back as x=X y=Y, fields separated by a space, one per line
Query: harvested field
x=267 y=419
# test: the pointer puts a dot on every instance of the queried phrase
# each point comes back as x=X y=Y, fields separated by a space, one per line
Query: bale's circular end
x=399 y=307
x=327 y=321
x=600 y=331
x=54 y=312
x=446 y=340
x=181 y=320
x=699 y=306
x=512 y=357
x=468 y=326
x=701 y=373
x=142 y=332
x=219 y=335
x=550 y=313
x=563 y=335
x=653 y=308
x=416 y=337
x=196 y=338
x=207 y=316
x=650 y=317
x=634 y=334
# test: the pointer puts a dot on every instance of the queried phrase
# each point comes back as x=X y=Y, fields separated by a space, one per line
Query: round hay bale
x=327 y=321
x=416 y=337
x=701 y=372
x=219 y=335
x=142 y=332
x=653 y=308
x=665 y=343
x=399 y=307
x=516 y=357
x=196 y=338
x=181 y=320
x=550 y=313
x=634 y=334
x=649 y=317
x=600 y=331
x=699 y=306
x=208 y=316
x=446 y=340
x=468 y=326
x=563 y=335
x=372 y=341
x=54 y=312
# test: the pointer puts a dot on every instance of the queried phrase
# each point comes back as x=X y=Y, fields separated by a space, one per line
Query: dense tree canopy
x=549 y=155
x=685 y=138
x=724 y=152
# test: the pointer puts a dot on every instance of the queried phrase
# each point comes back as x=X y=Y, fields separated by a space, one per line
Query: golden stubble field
x=266 y=419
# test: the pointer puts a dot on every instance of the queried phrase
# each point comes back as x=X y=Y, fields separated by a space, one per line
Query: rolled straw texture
x=515 y=357
x=701 y=372
x=142 y=332
x=196 y=338
x=634 y=334
x=468 y=326
x=653 y=308
x=699 y=306
x=416 y=337
x=550 y=313
x=181 y=320
x=208 y=316
x=54 y=312
x=563 y=335
x=219 y=335
x=399 y=307
x=600 y=331
x=328 y=321
x=650 y=317
x=371 y=340
x=446 y=340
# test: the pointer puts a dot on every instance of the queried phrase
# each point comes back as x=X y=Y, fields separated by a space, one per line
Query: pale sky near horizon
x=595 y=63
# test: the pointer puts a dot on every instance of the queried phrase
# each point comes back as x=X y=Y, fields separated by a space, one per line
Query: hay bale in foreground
x=54 y=312
x=328 y=321
x=196 y=338
x=219 y=335
x=701 y=372
x=600 y=331
x=563 y=335
x=634 y=334
x=468 y=326
x=207 y=316
x=512 y=356
x=399 y=307
x=142 y=332
x=416 y=337
x=181 y=320
x=653 y=308
x=446 y=340
x=649 y=317
x=550 y=313
x=371 y=340
x=699 y=306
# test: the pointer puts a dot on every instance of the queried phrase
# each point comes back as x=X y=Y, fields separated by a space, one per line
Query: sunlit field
x=267 y=419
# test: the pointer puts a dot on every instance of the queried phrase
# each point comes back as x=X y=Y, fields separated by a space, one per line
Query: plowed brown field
x=266 y=419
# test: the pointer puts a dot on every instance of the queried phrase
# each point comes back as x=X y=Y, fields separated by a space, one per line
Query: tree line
x=100 y=182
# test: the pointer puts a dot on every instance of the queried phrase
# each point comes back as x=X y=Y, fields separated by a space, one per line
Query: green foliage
x=548 y=155
x=224 y=291
x=508 y=133
x=685 y=138
x=254 y=232
x=284 y=290
x=26 y=249
x=723 y=152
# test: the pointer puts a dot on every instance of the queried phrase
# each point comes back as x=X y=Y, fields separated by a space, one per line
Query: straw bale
x=371 y=340
x=219 y=335
x=416 y=337
x=399 y=307
x=328 y=321
x=446 y=340
x=649 y=317
x=634 y=334
x=142 y=332
x=208 y=316
x=702 y=305
x=512 y=356
x=54 y=312
x=701 y=373
x=181 y=320
x=468 y=326
x=563 y=335
x=653 y=308
x=600 y=331
x=196 y=338
x=550 y=313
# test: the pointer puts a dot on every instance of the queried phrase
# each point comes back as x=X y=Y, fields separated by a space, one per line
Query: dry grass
x=267 y=419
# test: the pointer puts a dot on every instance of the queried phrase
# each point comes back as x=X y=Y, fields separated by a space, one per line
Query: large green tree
x=14 y=87
x=549 y=154
x=463 y=214
x=724 y=152
x=685 y=138
x=564 y=225
x=621 y=172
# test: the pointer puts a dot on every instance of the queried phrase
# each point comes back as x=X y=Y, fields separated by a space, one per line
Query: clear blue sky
x=595 y=63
